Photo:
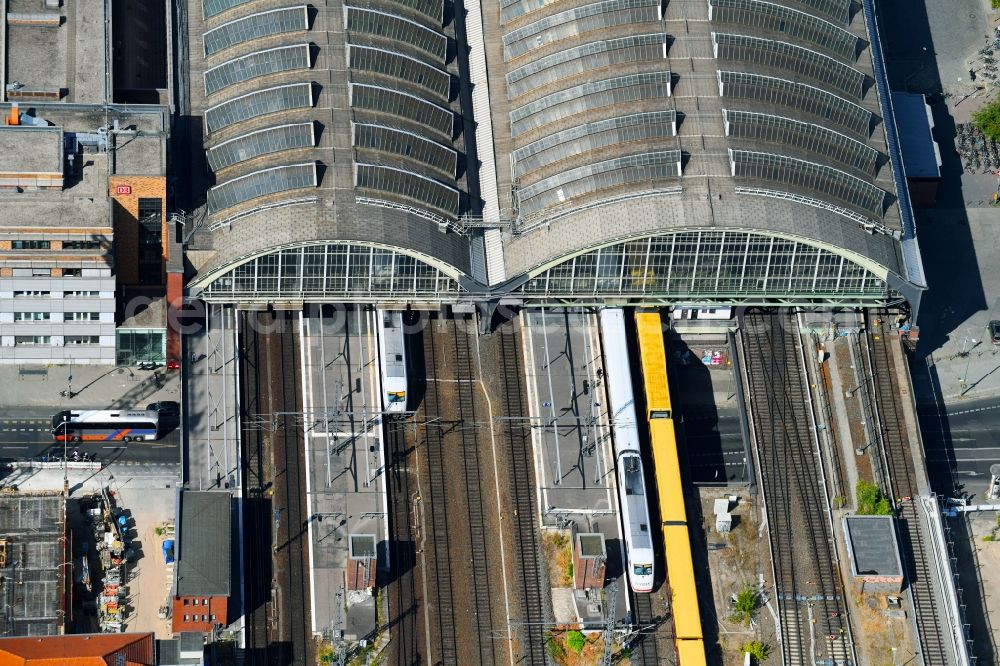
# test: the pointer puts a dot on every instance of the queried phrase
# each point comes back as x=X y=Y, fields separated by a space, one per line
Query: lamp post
x=65 y=469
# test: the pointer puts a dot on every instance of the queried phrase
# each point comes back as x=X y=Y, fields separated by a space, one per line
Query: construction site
x=33 y=559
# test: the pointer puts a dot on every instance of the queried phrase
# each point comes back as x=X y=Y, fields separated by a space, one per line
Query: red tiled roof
x=82 y=650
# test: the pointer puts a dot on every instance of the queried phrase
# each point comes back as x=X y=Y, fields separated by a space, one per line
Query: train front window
x=643 y=569
x=58 y=419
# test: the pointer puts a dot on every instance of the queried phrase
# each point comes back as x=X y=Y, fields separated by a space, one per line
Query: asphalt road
x=960 y=444
x=28 y=435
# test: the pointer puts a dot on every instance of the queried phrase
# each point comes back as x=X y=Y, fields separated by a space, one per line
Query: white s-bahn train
x=628 y=460
x=392 y=360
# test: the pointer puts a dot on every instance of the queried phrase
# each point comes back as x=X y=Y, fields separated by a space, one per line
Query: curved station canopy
x=725 y=151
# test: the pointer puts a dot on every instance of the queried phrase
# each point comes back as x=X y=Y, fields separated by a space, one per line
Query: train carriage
x=680 y=571
x=667 y=472
x=688 y=639
x=632 y=494
x=392 y=360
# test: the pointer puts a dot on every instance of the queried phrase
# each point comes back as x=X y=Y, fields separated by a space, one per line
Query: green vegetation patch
x=746 y=605
x=871 y=500
x=758 y=650
x=575 y=641
x=987 y=118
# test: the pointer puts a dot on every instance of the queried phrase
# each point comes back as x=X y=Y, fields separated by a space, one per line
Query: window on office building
x=31 y=316
x=30 y=245
x=71 y=272
x=150 y=241
x=81 y=294
x=31 y=294
x=81 y=316
x=31 y=340
x=32 y=272
x=81 y=245
x=81 y=340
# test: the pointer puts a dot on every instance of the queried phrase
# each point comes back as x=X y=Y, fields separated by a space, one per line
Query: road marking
x=964 y=411
x=15 y=447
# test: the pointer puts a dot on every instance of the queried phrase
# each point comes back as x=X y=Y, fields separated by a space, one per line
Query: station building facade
x=83 y=180
x=561 y=152
x=71 y=242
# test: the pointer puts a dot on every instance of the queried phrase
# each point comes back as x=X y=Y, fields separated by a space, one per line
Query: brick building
x=202 y=589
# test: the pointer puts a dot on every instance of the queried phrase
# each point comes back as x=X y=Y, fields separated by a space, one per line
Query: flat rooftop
x=27 y=149
x=921 y=155
x=138 y=147
x=54 y=53
x=204 y=543
x=871 y=541
x=31 y=592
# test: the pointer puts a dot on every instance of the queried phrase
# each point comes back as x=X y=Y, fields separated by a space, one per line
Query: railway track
x=531 y=581
x=276 y=577
x=404 y=604
x=646 y=650
x=288 y=441
x=444 y=640
x=902 y=477
x=474 y=494
x=809 y=591
x=256 y=514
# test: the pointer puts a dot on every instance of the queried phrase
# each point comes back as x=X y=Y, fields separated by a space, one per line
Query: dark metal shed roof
x=204 y=548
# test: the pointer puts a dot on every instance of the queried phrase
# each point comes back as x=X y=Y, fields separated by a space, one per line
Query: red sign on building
x=123 y=189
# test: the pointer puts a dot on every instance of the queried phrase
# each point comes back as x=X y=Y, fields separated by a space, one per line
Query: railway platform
x=571 y=434
x=346 y=501
x=211 y=411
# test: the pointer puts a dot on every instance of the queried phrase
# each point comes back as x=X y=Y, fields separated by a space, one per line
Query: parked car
x=166 y=408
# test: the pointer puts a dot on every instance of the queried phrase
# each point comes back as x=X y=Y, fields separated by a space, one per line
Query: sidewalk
x=83 y=481
x=93 y=386
x=211 y=409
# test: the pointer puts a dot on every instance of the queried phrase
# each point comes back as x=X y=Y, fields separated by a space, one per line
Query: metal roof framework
x=422 y=190
x=817 y=139
x=562 y=187
x=286 y=97
x=257 y=64
x=364 y=21
x=256 y=26
x=432 y=10
x=260 y=184
x=408 y=145
x=783 y=20
x=740 y=266
x=312 y=272
x=404 y=105
x=788 y=57
x=615 y=91
x=593 y=136
x=585 y=58
x=835 y=10
x=211 y=8
x=796 y=96
x=577 y=21
x=401 y=67
x=810 y=177
x=261 y=142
